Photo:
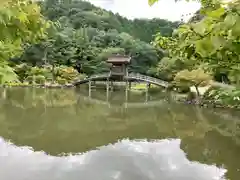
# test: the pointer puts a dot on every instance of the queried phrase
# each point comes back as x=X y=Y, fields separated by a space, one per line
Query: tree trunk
x=198 y=94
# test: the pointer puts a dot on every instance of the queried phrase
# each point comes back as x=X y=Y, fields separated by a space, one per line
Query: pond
x=62 y=134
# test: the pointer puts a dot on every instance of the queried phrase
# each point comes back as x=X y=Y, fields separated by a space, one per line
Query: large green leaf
x=199 y=27
x=205 y=47
x=216 y=13
x=218 y=42
x=236 y=27
x=151 y=2
x=230 y=20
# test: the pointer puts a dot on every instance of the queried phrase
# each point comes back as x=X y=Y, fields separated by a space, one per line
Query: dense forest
x=80 y=14
x=56 y=40
x=83 y=36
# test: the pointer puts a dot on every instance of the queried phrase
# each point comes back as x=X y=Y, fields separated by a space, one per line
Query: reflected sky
x=124 y=160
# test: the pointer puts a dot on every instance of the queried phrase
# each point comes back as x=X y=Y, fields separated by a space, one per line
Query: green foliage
x=87 y=49
x=151 y=2
x=61 y=80
x=193 y=78
x=36 y=75
x=20 y=23
x=80 y=14
x=230 y=97
x=45 y=74
x=211 y=43
x=82 y=36
x=7 y=74
x=168 y=67
x=39 y=79
x=66 y=73
x=22 y=71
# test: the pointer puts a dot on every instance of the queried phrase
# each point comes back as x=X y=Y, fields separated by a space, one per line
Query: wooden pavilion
x=118 y=65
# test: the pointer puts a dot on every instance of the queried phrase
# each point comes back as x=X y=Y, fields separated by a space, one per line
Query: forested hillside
x=84 y=36
x=83 y=14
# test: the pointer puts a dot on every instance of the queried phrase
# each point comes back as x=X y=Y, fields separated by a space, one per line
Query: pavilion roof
x=119 y=59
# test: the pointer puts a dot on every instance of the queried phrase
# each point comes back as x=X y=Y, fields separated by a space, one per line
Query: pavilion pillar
x=112 y=86
x=130 y=85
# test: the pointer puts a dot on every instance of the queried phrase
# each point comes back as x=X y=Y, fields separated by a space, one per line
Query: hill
x=86 y=35
x=84 y=14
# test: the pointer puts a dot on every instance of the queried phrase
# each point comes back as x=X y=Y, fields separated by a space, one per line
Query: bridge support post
x=90 y=88
x=130 y=85
x=107 y=89
x=147 y=89
x=112 y=86
x=126 y=91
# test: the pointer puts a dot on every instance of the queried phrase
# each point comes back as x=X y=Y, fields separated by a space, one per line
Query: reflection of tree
x=215 y=149
x=32 y=97
x=62 y=121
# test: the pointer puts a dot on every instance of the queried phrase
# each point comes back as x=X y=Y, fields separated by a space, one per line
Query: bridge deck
x=149 y=79
x=131 y=76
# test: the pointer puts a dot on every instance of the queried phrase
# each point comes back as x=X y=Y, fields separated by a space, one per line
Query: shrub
x=29 y=79
x=228 y=97
x=180 y=88
x=35 y=71
x=183 y=89
x=81 y=76
x=67 y=73
x=40 y=79
x=211 y=92
x=40 y=75
x=61 y=81
x=22 y=71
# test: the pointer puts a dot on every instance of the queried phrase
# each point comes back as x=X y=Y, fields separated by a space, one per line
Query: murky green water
x=44 y=133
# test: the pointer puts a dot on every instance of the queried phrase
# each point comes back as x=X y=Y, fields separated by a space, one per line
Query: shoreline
x=177 y=98
x=39 y=86
x=209 y=104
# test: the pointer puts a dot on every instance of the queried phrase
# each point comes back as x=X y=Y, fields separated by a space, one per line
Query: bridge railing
x=148 y=78
x=131 y=75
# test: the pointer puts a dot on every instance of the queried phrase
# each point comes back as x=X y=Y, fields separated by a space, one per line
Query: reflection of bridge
x=129 y=77
x=126 y=104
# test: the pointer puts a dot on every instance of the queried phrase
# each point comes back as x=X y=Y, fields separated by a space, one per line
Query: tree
x=194 y=78
x=212 y=41
x=20 y=23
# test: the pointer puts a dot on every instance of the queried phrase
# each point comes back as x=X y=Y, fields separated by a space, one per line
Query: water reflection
x=63 y=121
x=125 y=160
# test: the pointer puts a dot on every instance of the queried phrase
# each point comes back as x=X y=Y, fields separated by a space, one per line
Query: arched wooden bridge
x=131 y=76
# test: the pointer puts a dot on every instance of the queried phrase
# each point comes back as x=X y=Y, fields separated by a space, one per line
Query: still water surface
x=62 y=135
